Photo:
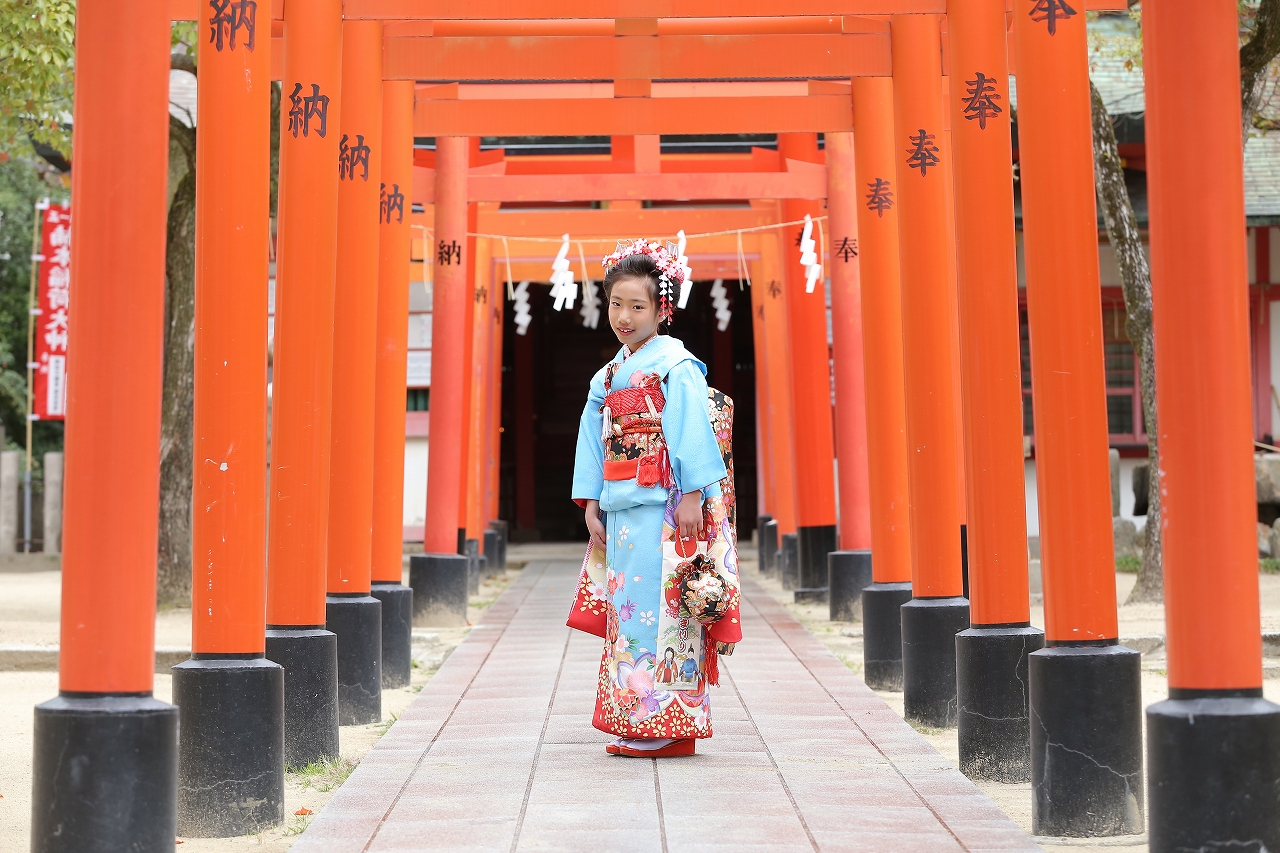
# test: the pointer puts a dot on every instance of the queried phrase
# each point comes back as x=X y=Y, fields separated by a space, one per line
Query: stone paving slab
x=497 y=754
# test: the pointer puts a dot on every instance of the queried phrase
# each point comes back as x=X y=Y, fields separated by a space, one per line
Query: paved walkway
x=498 y=753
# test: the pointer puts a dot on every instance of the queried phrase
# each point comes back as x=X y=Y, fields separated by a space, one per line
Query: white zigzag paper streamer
x=562 y=287
x=590 y=305
x=522 y=316
x=720 y=302
x=808 y=257
x=686 y=286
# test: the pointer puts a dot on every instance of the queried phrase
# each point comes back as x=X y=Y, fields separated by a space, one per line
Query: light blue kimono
x=634 y=699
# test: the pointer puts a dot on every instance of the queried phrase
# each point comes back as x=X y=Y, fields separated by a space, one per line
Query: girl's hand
x=595 y=525
x=689 y=516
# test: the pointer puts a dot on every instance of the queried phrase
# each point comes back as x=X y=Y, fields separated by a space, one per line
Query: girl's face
x=633 y=313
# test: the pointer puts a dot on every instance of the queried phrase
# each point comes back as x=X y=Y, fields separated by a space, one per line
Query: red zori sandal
x=684 y=746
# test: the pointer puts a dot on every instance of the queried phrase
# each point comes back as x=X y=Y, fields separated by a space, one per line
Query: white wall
x=415 y=481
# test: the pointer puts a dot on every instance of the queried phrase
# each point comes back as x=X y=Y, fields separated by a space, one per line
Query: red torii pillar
x=230 y=698
x=991 y=657
x=392 y=353
x=810 y=375
x=938 y=610
x=439 y=577
x=1214 y=745
x=350 y=611
x=105 y=771
x=302 y=381
x=479 y=377
x=876 y=165
x=849 y=569
x=766 y=482
x=1086 y=751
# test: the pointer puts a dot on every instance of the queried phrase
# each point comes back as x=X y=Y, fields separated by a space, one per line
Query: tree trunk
x=1255 y=57
x=1126 y=240
x=176 y=445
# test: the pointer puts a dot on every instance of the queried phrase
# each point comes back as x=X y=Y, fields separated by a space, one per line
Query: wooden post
x=391 y=347
x=1213 y=745
x=1086 y=755
x=350 y=612
x=302 y=381
x=937 y=610
x=121 y=741
x=994 y=728
x=877 y=206
x=231 y=747
x=810 y=373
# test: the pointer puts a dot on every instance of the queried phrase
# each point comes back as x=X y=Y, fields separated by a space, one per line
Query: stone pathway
x=498 y=753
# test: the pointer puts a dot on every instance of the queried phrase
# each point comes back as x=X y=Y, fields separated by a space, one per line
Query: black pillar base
x=991 y=683
x=929 y=628
x=472 y=554
x=397 y=633
x=1214 y=772
x=1086 y=741
x=439 y=584
x=230 y=746
x=882 y=634
x=504 y=533
x=848 y=573
x=763 y=554
x=811 y=596
x=769 y=546
x=310 y=660
x=815 y=544
x=105 y=775
x=491 y=557
x=357 y=620
x=789 y=561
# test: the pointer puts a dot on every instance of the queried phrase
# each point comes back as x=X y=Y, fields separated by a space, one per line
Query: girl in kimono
x=648 y=470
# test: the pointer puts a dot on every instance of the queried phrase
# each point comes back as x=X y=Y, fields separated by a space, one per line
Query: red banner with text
x=53 y=297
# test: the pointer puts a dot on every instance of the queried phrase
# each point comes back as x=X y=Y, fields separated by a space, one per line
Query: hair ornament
x=665 y=258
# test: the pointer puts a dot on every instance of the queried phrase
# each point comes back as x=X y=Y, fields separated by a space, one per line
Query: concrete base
x=397 y=633
x=816 y=542
x=1086 y=741
x=770 y=544
x=230 y=746
x=882 y=634
x=929 y=628
x=789 y=561
x=105 y=775
x=439 y=584
x=490 y=564
x=1214 y=772
x=310 y=660
x=357 y=621
x=763 y=552
x=848 y=573
x=991 y=682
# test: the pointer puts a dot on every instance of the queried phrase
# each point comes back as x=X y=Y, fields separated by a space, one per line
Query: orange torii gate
x=106 y=650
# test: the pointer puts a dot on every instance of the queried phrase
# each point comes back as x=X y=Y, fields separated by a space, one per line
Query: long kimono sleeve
x=588 y=465
x=691 y=443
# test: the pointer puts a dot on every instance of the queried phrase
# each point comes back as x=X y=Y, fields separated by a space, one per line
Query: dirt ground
x=1143 y=620
x=29 y=617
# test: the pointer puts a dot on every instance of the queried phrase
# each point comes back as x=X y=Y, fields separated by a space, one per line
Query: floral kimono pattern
x=652 y=681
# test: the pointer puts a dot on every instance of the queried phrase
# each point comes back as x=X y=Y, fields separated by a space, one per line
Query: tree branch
x=182 y=62
x=1255 y=56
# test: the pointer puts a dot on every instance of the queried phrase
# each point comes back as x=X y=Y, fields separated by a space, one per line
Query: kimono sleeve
x=588 y=465
x=691 y=443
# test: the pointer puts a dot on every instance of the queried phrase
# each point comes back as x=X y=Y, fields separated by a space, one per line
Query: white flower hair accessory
x=670 y=270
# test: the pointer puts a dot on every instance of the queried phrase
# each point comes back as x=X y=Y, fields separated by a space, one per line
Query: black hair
x=634 y=266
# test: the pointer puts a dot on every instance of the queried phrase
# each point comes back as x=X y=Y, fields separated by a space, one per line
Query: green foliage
x=37 y=49
x=1269 y=566
x=21 y=185
x=323 y=775
x=1128 y=565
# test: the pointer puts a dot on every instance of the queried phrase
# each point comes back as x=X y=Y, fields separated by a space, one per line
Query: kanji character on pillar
x=847 y=249
x=980 y=103
x=1050 y=12
x=391 y=202
x=923 y=154
x=302 y=110
x=228 y=18
x=351 y=157
x=448 y=253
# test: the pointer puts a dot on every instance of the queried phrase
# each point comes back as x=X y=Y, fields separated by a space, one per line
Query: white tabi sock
x=646 y=744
